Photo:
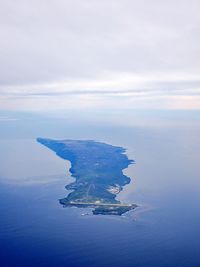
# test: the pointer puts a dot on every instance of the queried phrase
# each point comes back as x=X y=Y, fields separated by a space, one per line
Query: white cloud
x=134 y=48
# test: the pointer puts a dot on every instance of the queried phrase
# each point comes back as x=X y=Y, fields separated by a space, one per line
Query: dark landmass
x=98 y=171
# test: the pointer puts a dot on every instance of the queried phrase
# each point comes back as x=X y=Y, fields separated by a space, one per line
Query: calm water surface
x=164 y=231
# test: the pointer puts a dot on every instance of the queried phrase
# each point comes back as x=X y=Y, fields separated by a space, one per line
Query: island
x=98 y=171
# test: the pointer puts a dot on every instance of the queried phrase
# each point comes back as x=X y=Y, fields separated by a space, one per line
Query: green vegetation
x=98 y=171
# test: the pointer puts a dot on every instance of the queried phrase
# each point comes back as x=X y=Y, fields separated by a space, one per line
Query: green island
x=98 y=171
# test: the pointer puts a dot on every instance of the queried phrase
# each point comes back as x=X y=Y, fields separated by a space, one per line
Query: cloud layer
x=62 y=48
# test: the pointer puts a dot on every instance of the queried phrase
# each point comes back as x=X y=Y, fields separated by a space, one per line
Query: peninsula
x=98 y=171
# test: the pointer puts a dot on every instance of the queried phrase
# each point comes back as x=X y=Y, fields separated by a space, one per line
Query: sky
x=69 y=54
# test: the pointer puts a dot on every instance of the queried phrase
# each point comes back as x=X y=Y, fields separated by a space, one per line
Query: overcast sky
x=144 y=53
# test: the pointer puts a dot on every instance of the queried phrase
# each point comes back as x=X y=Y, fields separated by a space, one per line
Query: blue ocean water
x=35 y=230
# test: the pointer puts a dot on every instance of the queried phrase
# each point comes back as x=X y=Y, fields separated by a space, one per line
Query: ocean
x=35 y=230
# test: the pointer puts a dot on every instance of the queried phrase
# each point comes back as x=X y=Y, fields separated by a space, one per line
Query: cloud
x=56 y=40
x=65 y=48
x=7 y=119
x=123 y=84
